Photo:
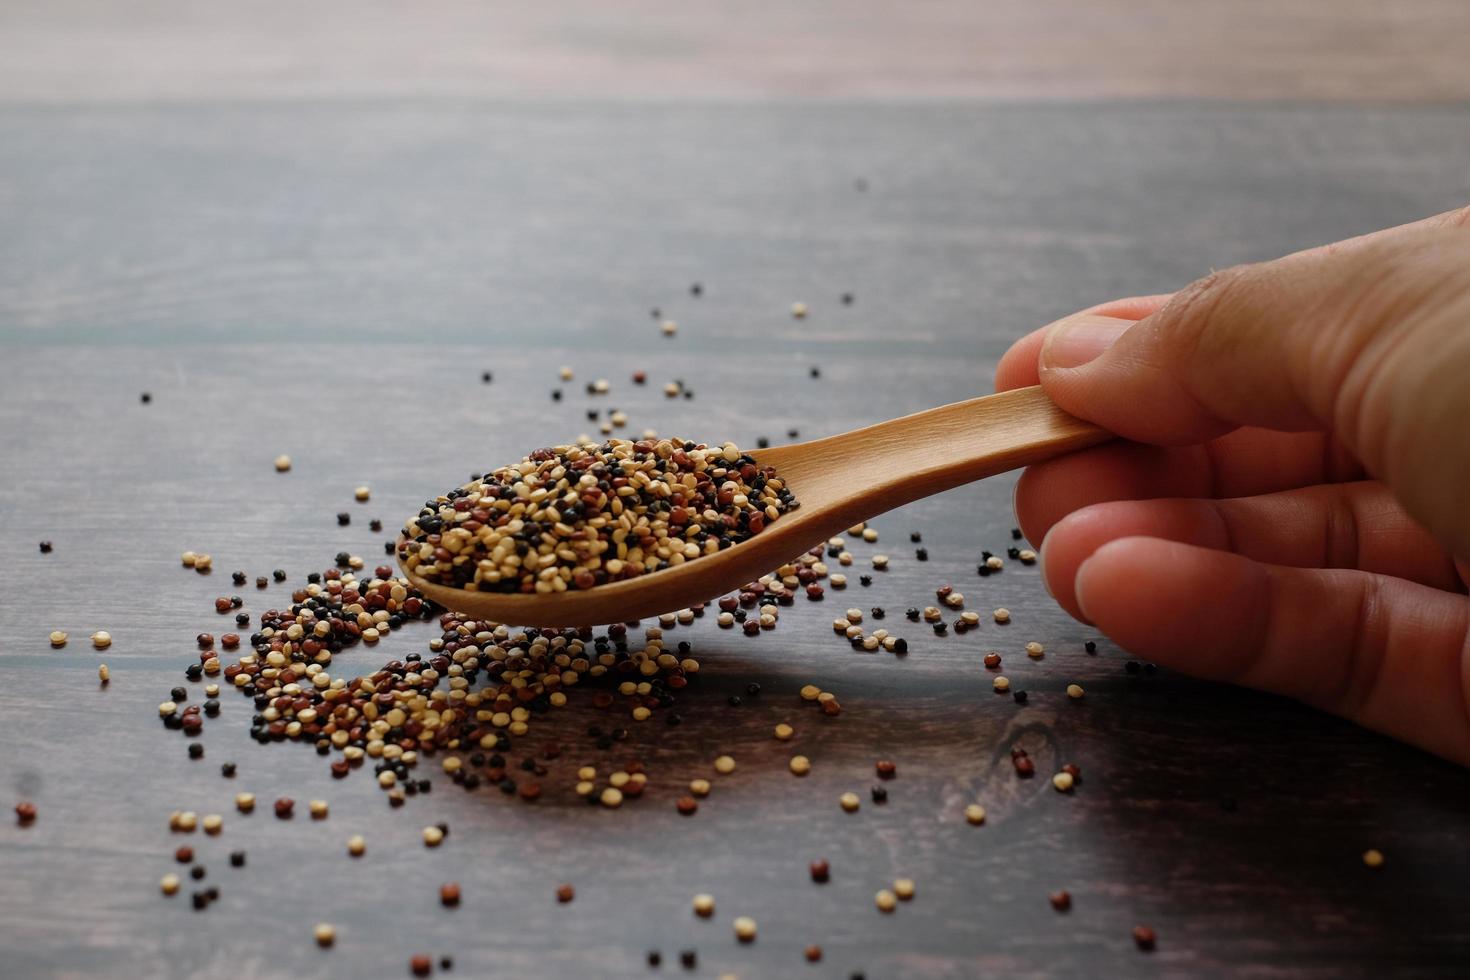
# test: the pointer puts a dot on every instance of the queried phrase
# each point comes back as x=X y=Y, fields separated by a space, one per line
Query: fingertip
x=1018 y=366
x=1174 y=603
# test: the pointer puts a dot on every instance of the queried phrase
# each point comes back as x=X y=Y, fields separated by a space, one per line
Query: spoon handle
x=893 y=463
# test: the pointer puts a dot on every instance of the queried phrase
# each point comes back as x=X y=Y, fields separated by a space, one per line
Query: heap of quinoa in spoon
x=576 y=517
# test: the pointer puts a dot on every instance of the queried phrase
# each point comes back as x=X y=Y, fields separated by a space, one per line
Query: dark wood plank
x=357 y=266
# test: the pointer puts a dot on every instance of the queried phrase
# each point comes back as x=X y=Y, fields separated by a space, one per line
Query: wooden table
x=329 y=278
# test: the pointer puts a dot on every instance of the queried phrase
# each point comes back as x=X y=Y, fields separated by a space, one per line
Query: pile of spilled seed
x=575 y=517
x=467 y=708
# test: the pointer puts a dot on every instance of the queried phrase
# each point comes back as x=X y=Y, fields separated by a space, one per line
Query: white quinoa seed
x=1373 y=858
x=904 y=889
x=880 y=561
x=58 y=638
x=102 y=639
x=699 y=787
x=1075 y=691
x=800 y=765
x=975 y=814
x=356 y=845
x=213 y=823
x=103 y=673
x=433 y=836
x=1062 y=782
x=612 y=797
x=1002 y=615
x=704 y=906
x=885 y=900
x=784 y=732
x=169 y=884
x=724 y=765
x=1001 y=683
x=745 y=929
x=1035 y=650
x=244 y=802
x=362 y=494
x=798 y=310
x=850 y=802
x=324 y=934
x=283 y=463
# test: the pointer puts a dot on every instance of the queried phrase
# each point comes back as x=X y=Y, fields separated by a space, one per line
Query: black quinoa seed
x=922 y=554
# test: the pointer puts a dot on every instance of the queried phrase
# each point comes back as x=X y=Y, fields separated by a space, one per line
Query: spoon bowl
x=839 y=481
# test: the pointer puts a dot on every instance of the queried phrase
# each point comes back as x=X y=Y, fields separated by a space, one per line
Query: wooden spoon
x=838 y=481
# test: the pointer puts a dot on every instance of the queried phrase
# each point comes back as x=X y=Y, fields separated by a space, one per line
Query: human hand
x=1292 y=512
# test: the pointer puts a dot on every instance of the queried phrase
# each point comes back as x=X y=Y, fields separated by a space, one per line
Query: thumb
x=1368 y=341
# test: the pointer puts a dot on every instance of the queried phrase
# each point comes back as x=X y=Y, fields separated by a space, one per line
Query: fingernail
x=1077 y=340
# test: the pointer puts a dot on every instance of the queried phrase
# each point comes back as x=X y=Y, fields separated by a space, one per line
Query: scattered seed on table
x=103 y=673
x=324 y=934
x=904 y=889
x=688 y=959
x=283 y=463
x=814 y=954
x=237 y=859
x=244 y=802
x=433 y=836
x=318 y=809
x=169 y=884
x=184 y=854
x=800 y=765
x=850 y=802
x=992 y=660
x=362 y=494
x=1035 y=650
x=724 y=765
x=885 y=769
x=1027 y=556
x=196 y=751
x=820 y=870
x=687 y=805
x=356 y=845
x=284 y=807
x=885 y=900
x=669 y=327
x=745 y=929
x=1002 y=615
x=1144 y=937
x=704 y=906
x=187 y=821
x=880 y=562
x=58 y=638
x=420 y=965
x=45 y=547
x=565 y=893
x=1373 y=858
x=1063 y=782
x=1001 y=684
x=798 y=310
x=784 y=732
x=699 y=787
x=1075 y=691
x=1060 y=900
x=612 y=797
x=879 y=794
x=449 y=893
x=213 y=823
x=102 y=639
x=975 y=814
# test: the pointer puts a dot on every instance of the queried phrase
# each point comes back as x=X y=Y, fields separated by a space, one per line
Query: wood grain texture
x=841 y=481
x=330 y=280
x=148 y=50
